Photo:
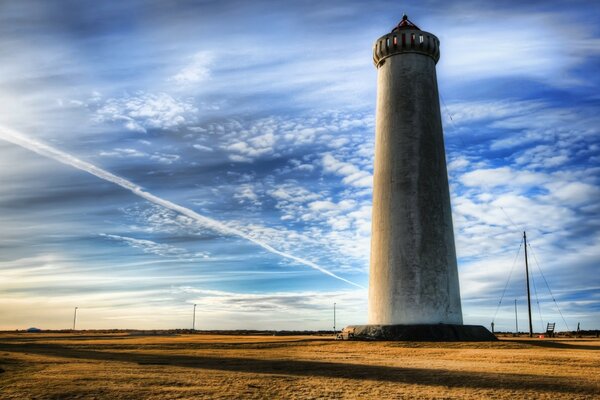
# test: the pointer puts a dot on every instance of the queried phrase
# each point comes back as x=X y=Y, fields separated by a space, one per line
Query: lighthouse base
x=424 y=333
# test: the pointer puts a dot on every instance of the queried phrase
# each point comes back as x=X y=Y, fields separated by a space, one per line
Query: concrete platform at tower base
x=422 y=332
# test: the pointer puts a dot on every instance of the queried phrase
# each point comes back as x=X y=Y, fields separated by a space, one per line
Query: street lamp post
x=516 y=319
x=194 y=319
x=334 y=318
x=75 y=318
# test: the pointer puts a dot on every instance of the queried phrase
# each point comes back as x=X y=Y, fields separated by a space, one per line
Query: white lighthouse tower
x=413 y=274
x=413 y=283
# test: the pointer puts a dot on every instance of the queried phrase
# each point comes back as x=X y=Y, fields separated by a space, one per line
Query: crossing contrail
x=45 y=150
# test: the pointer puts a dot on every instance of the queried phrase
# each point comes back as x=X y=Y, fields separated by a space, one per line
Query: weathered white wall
x=413 y=272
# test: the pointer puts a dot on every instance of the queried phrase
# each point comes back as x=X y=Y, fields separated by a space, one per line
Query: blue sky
x=259 y=117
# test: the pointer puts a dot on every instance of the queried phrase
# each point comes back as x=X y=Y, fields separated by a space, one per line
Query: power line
x=511 y=221
x=537 y=300
x=548 y=286
x=508 y=281
x=452 y=121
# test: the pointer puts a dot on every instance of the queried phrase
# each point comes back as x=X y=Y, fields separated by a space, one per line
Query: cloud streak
x=45 y=150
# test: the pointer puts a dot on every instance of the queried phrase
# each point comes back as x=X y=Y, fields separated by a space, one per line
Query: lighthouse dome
x=406 y=37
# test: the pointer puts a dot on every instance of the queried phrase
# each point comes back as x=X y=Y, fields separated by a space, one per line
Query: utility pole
x=334 y=318
x=528 y=292
x=194 y=319
x=75 y=318
x=516 y=319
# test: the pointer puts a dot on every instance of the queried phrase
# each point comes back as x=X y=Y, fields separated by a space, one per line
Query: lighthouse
x=414 y=290
x=413 y=274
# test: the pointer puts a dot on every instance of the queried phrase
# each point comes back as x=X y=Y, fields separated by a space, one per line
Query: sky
x=155 y=155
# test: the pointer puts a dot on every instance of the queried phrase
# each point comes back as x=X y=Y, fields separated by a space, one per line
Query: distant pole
x=75 y=318
x=492 y=326
x=516 y=319
x=528 y=292
x=334 y=318
x=194 y=319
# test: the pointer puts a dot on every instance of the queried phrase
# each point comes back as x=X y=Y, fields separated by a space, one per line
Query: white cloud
x=523 y=45
x=322 y=205
x=352 y=175
x=542 y=135
x=340 y=229
x=573 y=193
x=248 y=140
x=299 y=166
x=544 y=156
x=163 y=158
x=120 y=152
x=458 y=163
x=202 y=147
x=465 y=112
x=253 y=147
x=145 y=111
x=292 y=193
x=246 y=193
x=294 y=302
x=503 y=176
x=197 y=70
x=159 y=249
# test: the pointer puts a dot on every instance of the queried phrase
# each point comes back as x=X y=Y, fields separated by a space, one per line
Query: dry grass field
x=195 y=366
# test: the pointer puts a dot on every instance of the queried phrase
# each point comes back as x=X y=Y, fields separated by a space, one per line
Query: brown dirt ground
x=195 y=366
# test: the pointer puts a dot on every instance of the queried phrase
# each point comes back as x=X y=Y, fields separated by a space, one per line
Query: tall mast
x=528 y=293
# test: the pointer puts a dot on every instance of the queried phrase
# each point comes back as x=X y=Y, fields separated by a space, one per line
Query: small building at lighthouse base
x=420 y=332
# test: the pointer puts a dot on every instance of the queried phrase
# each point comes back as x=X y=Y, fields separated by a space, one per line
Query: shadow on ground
x=555 y=345
x=419 y=376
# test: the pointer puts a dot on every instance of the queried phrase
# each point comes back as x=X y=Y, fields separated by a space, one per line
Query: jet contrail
x=45 y=150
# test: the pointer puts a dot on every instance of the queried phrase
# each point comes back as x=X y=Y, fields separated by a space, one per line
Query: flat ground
x=133 y=366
